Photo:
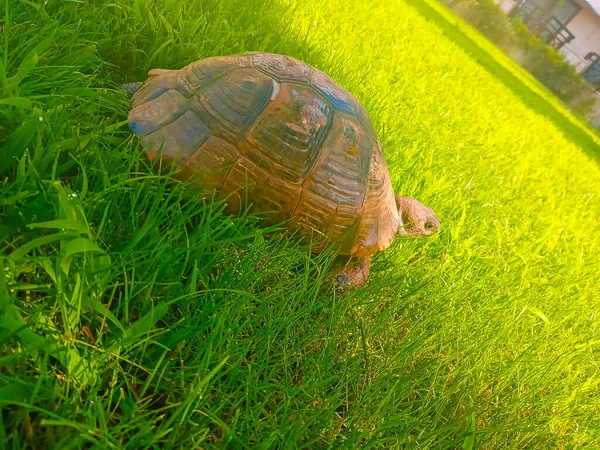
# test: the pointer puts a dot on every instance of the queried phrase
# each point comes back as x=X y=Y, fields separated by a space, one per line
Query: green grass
x=132 y=315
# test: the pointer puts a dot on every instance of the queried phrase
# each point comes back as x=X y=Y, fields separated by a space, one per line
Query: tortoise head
x=416 y=219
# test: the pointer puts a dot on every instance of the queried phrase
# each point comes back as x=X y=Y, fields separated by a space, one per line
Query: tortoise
x=274 y=134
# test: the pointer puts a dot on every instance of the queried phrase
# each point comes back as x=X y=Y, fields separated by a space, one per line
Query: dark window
x=592 y=57
x=592 y=73
x=548 y=19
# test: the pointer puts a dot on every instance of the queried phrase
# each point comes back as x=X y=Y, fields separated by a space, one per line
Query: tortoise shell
x=275 y=132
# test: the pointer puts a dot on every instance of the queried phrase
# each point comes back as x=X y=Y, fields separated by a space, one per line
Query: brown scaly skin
x=417 y=220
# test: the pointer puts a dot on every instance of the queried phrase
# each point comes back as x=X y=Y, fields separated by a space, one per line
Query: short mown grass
x=133 y=315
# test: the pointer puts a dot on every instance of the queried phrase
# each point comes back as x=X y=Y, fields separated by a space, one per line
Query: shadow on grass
x=535 y=101
x=204 y=28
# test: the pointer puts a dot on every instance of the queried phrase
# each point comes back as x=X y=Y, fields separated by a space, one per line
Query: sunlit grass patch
x=133 y=315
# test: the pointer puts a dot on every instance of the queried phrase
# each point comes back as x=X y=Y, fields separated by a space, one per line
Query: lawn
x=132 y=315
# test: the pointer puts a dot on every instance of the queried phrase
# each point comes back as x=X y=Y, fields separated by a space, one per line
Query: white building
x=570 y=26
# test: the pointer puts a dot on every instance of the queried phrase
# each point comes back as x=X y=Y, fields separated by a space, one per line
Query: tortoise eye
x=429 y=225
x=341 y=279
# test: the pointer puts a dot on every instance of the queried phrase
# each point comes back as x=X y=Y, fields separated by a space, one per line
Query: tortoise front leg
x=353 y=275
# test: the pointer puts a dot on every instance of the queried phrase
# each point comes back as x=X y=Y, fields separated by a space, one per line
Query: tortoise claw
x=353 y=275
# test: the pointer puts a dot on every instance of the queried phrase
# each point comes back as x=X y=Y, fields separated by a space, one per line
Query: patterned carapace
x=271 y=132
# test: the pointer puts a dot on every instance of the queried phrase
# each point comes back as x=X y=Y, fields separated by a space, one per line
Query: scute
x=243 y=185
x=211 y=163
x=201 y=73
x=314 y=217
x=277 y=199
x=365 y=122
x=282 y=68
x=379 y=220
x=177 y=140
x=156 y=113
x=230 y=104
x=339 y=97
x=343 y=168
x=156 y=85
x=287 y=137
